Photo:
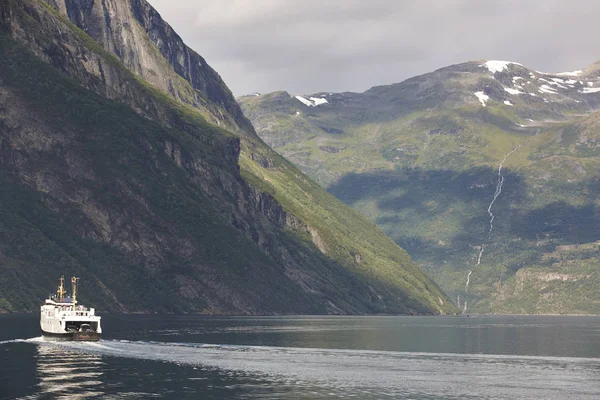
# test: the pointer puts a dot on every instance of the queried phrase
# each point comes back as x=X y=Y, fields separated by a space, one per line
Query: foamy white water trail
x=31 y=340
x=373 y=374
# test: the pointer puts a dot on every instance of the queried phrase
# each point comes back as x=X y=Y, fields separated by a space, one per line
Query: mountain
x=486 y=172
x=126 y=160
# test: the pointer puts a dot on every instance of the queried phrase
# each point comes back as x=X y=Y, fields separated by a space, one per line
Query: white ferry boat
x=63 y=319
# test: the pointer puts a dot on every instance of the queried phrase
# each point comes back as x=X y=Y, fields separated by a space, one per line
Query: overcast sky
x=308 y=46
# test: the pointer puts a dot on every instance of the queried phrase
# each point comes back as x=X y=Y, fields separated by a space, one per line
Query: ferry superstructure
x=63 y=319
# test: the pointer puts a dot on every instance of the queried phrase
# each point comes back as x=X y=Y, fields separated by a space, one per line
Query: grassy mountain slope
x=420 y=158
x=117 y=179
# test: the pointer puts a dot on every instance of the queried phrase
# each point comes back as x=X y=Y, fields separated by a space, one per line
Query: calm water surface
x=191 y=357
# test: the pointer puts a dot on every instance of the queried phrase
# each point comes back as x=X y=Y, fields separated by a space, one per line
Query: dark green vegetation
x=420 y=159
x=124 y=183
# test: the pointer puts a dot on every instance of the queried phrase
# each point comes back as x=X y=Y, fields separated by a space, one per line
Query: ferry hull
x=89 y=336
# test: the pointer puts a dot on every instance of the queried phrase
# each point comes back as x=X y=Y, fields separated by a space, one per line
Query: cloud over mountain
x=337 y=45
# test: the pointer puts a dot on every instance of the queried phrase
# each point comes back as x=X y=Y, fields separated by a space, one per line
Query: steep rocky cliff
x=135 y=33
x=126 y=160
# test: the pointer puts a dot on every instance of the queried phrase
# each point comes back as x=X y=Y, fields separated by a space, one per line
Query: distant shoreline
x=5 y=312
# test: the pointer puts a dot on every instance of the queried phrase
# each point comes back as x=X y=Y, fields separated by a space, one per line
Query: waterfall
x=497 y=193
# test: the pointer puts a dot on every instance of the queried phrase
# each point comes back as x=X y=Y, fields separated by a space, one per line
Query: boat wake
x=367 y=372
x=30 y=340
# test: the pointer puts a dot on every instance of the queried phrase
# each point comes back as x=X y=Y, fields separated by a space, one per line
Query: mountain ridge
x=422 y=159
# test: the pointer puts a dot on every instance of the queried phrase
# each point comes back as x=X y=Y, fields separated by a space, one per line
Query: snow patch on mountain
x=497 y=66
x=547 y=89
x=318 y=101
x=572 y=73
x=313 y=102
x=508 y=103
x=306 y=102
x=482 y=97
x=590 y=90
x=557 y=82
x=513 y=91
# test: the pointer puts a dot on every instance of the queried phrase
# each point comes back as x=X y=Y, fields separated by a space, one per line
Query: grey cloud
x=307 y=46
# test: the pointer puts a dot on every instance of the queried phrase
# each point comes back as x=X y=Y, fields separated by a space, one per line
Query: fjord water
x=180 y=357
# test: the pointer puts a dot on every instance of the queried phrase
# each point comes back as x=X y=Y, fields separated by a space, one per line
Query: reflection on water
x=65 y=374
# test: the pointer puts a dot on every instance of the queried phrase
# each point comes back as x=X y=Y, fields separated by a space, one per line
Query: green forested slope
x=421 y=158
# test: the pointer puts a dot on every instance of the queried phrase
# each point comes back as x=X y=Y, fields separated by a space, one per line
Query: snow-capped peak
x=497 y=66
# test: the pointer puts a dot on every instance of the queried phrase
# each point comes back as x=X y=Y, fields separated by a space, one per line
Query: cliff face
x=124 y=167
x=150 y=48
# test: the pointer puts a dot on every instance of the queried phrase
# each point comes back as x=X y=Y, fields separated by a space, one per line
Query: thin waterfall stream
x=497 y=193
